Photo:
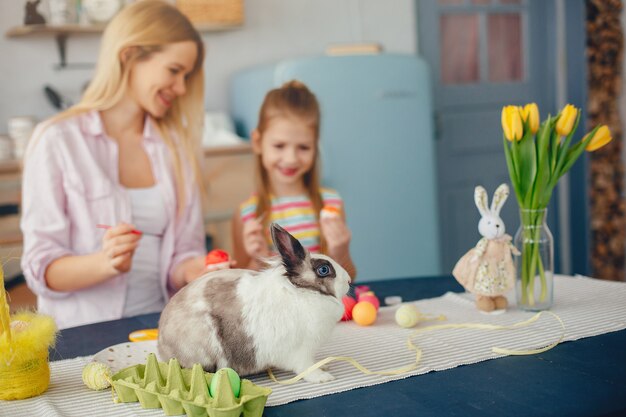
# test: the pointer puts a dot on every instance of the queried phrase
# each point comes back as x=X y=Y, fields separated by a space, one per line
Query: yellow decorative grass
x=24 y=341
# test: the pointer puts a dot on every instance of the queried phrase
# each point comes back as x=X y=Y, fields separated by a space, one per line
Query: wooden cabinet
x=228 y=180
x=10 y=235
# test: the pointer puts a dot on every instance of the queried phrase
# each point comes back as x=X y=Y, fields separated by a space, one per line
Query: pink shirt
x=71 y=184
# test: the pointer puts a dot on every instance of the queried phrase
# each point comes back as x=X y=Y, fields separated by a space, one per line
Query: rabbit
x=487 y=270
x=251 y=321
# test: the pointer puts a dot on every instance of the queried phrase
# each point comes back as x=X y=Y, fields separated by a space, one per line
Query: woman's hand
x=253 y=241
x=118 y=247
x=193 y=268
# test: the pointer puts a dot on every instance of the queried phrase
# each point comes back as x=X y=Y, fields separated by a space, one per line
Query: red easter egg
x=348 y=304
x=370 y=298
x=216 y=256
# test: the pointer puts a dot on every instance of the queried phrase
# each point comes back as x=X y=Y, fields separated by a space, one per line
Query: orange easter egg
x=364 y=313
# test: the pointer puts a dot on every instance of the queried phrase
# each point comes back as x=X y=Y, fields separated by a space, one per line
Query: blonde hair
x=143 y=28
x=293 y=99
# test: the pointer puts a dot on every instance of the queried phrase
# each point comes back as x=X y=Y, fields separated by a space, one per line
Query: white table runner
x=588 y=307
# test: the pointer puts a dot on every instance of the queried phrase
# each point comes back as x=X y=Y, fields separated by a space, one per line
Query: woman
x=111 y=213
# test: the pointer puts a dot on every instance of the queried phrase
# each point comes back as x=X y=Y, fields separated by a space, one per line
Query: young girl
x=288 y=190
x=111 y=212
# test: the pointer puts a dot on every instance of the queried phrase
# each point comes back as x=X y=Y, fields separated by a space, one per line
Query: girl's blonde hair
x=294 y=100
x=139 y=30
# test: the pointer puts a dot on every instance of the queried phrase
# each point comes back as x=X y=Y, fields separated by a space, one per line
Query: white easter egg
x=96 y=376
x=407 y=315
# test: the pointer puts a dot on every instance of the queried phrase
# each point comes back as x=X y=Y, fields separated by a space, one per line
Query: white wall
x=273 y=30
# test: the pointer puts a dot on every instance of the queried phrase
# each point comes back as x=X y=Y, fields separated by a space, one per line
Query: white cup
x=62 y=12
x=20 y=129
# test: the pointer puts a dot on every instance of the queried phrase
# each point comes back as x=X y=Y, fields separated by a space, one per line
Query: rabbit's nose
x=497 y=226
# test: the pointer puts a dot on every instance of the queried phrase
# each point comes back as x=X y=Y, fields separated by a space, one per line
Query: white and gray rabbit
x=487 y=270
x=251 y=321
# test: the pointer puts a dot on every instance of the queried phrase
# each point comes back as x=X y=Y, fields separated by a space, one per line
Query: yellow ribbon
x=418 y=351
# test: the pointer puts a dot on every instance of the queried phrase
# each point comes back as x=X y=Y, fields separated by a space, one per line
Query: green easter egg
x=235 y=382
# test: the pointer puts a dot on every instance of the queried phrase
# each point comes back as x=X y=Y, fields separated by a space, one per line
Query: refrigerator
x=376 y=147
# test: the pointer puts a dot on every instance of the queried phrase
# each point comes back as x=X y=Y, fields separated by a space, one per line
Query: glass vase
x=535 y=265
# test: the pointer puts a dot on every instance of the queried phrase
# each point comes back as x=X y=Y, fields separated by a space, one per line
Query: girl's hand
x=118 y=247
x=253 y=240
x=337 y=235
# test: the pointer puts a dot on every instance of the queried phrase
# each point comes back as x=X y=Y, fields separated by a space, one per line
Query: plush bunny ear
x=480 y=198
x=499 y=198
x=291 y=251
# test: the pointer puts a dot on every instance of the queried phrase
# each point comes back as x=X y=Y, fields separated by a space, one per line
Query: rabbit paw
x=318 y=376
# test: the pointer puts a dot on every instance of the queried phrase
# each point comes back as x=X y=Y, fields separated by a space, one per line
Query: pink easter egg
x=360 y=289
x=369 y=297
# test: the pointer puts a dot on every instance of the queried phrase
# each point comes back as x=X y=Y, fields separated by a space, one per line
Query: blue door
x=484 y=54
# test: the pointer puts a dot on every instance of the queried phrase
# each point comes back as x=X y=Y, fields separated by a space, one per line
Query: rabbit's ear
x=291 y=251
x=499 y=198
x=480 y=198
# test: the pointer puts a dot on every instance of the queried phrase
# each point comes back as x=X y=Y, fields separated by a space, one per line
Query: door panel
x=459 y=123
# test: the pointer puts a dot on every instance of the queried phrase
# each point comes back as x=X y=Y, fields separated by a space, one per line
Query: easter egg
x=361 y=289
x=407 y=315
x=233 y=378
x=329 y=212
x=217 y=259
x=348 y=304
x=370 y=298
x=96 y=376
x=364 y=313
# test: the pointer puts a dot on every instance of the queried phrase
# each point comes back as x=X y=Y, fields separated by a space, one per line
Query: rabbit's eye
x=323 y=270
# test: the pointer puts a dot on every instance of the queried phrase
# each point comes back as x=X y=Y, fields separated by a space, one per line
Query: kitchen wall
x=273 y=30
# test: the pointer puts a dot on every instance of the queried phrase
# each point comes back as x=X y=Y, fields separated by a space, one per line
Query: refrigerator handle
x=437 y=125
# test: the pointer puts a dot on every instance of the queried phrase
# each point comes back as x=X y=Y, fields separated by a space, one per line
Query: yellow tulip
x=512 y=123
x=530 y=113
x=566 y=120
x=601 y=138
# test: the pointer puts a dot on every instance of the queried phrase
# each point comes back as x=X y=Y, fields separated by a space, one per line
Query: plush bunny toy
x=487 y=270
x=251 y=321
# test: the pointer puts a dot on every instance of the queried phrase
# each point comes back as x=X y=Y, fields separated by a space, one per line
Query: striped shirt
x=296 y=215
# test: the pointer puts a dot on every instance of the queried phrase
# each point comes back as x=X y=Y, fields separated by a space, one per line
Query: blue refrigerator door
x=377 y=150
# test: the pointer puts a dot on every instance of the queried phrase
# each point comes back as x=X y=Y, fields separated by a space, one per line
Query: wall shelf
x=61 y=33
x=27 y=30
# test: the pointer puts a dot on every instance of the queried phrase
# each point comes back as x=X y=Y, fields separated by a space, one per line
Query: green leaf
x=574 y=153
x=510 y=163
x=563 y=150
x=543 y=162
x=528 y=167
x=554 y=150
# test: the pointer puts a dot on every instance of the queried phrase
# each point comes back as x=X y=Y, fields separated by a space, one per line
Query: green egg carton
x=186 y=391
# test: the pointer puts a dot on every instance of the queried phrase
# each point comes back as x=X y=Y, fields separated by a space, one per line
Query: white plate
x=123 y=355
